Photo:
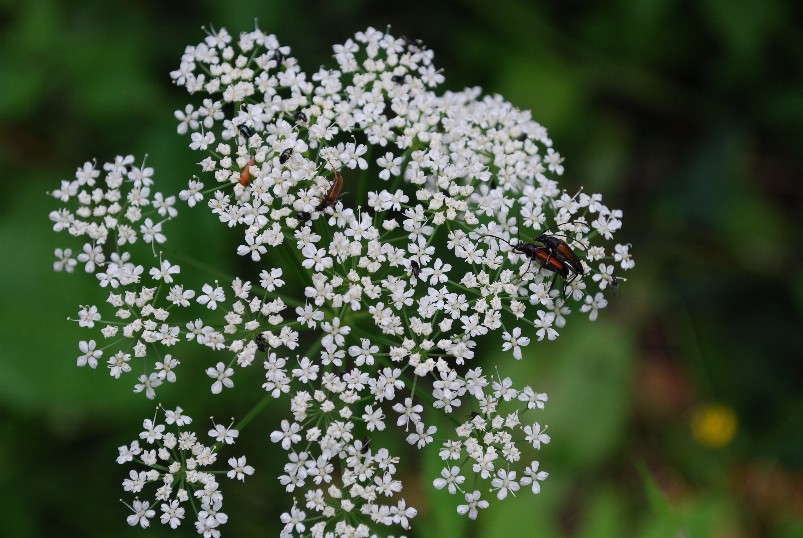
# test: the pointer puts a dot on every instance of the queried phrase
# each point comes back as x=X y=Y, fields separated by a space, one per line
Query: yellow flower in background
x=713 y=425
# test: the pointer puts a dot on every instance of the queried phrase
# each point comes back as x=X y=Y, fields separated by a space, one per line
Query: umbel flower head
x=417 y=222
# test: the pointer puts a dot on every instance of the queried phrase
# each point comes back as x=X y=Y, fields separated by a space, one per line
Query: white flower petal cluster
x=180 y=465
x=112 y=213
x=417 y=222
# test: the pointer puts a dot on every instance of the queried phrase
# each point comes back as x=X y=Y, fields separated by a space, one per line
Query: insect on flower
x=285 y=156
x=550 y=263
x=301 y=117
x=415 y=268
x=333 y=194
x=529 y=250
x=615 y=286
x=328 y=199
x=544 y=257
x=561 y=250
x=261 y=342
x=245 y=131
x=245 y=174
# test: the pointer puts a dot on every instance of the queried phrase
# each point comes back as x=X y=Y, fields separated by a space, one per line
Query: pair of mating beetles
x=550 y=252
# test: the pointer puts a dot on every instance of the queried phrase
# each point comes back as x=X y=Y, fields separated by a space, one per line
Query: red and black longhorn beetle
x=561 y=250
x=544 y=257
x=555 y=255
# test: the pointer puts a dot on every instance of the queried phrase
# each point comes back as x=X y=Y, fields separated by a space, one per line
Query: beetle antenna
x=572 y=240
x=330 y=164
x=497 y=237
x=563 y=224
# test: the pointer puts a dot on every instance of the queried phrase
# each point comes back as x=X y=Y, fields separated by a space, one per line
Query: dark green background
x=687 y=115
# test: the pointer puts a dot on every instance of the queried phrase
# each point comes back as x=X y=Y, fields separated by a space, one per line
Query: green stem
x=258 y=408
x=373 y=337
x=297 y=274
x=198 y=265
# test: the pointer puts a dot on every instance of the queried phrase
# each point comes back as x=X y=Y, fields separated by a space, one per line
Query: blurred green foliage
x=687 y=115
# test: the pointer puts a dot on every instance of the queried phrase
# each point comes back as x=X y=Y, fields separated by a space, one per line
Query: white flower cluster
x=417 y=223
x=109 y=214
x=176 y=461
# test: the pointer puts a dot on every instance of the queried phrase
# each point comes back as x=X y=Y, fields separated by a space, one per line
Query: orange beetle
x=245 y=175
x=330 y=197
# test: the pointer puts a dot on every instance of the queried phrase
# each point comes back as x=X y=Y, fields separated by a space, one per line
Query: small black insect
x=615 y=286
x=300 y=116
x=388 y=110
x=366 y=444
x=303 y=216
x=415 y=268
x=398 y=79
x=245 y=131
x=285 y=156
x=261 y=342
x=279 y=57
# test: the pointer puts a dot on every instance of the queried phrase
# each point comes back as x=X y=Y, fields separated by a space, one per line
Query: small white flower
x=534 y=476
x=90 y=354
x=164 y=272
x=152 y=232
x=535 y=435
x=288 y=435
x=451 y=478
x=239 y=469
x=622 y=256
x=142 y=514
x=373 y=419
x=193 y=194
x=211 y=296
x=474 y=502
x=544 y=325
x=505 y=482
x=514 y=341
x=87 y=316
x=65 y=261
x=222 y=376
x=172 y=514
x=593 y=304
x=222 y=434
x=421 y=437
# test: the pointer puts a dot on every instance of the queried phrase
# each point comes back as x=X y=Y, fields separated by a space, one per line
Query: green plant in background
x=391 y=231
